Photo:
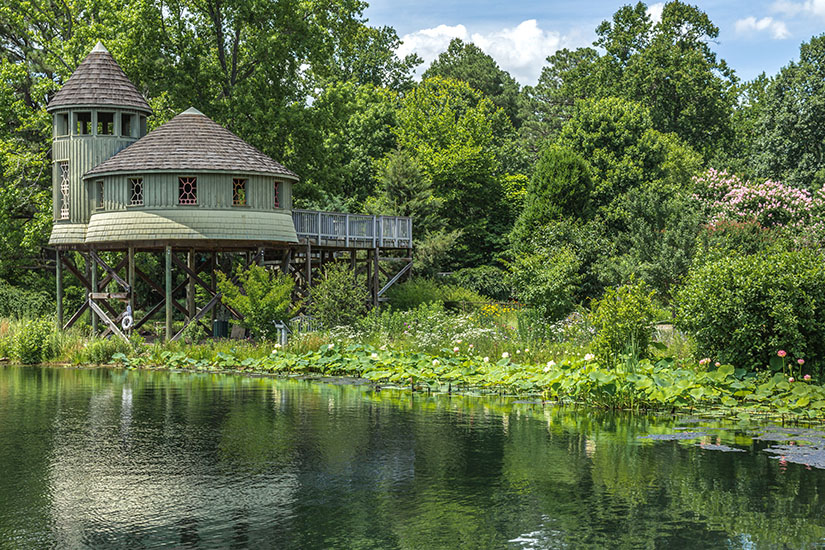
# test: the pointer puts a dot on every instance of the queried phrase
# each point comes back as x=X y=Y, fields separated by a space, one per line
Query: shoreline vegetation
x=647 y=385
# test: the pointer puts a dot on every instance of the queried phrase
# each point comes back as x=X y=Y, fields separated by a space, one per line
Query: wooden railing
x=353 y=230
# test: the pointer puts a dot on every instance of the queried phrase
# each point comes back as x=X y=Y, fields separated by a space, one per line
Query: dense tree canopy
x=597 y=161
x=790 y=133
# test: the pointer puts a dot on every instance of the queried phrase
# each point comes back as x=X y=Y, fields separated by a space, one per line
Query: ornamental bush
x=742 y=309
x=339 y=298
x=34 y=341
x=623 y=320
x=263 y=302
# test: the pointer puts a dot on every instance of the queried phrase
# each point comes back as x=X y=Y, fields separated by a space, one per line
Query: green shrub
x=741 y=310
x=265 y=300
x=100 y=351
x=623 y=320
x=34 y=340
x=339 y=298
x=419 y=291
x=486 y=280
x=560 y=187
x=547 y=283
x=19 y=303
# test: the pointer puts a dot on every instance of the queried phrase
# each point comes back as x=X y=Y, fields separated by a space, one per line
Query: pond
x=105 y=458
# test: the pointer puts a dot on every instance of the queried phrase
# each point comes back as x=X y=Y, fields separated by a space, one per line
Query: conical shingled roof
x=99 y=80
x=191 y=142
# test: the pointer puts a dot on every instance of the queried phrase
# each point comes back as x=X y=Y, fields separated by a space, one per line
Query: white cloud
x=428 y=43
x=519 y=50
x=792 y=9
x=654 y=11
x=751 y=25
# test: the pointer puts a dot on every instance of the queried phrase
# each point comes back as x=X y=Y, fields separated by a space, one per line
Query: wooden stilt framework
x=188 y=289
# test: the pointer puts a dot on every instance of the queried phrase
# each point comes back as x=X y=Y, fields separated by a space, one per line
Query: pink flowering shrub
x=727 y=198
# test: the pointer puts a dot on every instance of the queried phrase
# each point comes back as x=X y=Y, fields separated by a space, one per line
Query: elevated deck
x=357 y=231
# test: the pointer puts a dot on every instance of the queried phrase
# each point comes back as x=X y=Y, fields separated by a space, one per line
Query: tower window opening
x=99 y=193
x=105 y=124
x=238 y=192
x=61 y=124
x=142 y=127
x=83 y=124
x=277 y=203
x=126 y=124
x=136 y=187
x=64 y=190
x=188 y=191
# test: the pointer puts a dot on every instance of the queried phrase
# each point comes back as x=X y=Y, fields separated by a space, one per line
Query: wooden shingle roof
x=99 y=80
x=191 y=142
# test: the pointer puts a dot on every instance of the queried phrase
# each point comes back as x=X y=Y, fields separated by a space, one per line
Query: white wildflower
x=435 y=362
x=589 y=357
x=330 y=346
x=486 y=359
x=505 y=355
x=374 y=356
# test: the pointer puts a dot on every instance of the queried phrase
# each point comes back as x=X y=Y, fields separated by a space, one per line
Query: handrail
x=353 y=230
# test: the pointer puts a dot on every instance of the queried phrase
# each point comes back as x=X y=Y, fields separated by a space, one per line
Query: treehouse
x=188 y=187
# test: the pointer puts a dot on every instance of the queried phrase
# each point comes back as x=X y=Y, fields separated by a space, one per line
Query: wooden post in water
x=59 y=280
x=168 y=293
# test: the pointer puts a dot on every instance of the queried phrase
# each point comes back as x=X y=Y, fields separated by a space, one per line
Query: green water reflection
x=128 y=459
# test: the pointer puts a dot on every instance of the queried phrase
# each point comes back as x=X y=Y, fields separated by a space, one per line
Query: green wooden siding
x=82 y=152
x=214 y=191
x=160 y=217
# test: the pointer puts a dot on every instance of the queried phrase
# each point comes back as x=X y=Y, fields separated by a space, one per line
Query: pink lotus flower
x=800 y=361
x=807 y=378
x=782 y=353
x=790 y=379
x=718 y=364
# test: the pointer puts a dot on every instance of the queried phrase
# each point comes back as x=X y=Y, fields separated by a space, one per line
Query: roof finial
x=99 y=47
x=191 y=111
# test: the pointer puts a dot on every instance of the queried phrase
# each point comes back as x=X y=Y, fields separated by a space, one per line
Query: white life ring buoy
x=127 y=322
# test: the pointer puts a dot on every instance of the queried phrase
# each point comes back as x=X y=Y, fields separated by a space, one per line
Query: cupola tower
x=96 y=113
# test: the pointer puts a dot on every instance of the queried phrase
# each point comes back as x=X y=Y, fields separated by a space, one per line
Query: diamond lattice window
x=64 y=190
x=136 y=186
x=238 y=192
x=277 y=196
x=188 y=191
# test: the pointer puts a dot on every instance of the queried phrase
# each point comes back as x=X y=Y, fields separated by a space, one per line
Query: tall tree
x=668 y=66
x=467 y=62
x=455 y=134
x=790 y=133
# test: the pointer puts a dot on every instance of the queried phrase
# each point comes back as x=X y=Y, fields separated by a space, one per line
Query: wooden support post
x=213 y=283
x=353 y=259
x=376 y=276
x=308 y=266
x=286 y=261
x=59 y=281
x=93 y=265
x=130 y=278
x=368 y=267
x=168 y=292
x=190 y=286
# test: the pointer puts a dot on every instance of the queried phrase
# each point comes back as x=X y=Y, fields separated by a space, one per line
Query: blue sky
x=754 y=36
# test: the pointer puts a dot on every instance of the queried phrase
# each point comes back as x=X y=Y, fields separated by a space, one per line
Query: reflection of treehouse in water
x=193 y=192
